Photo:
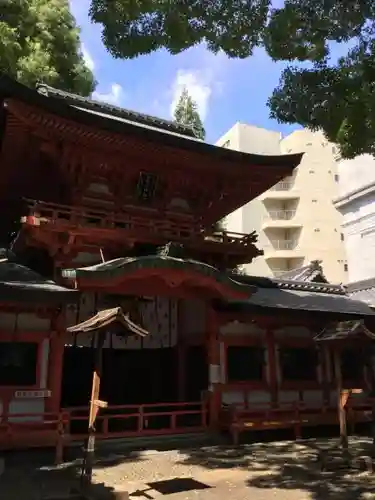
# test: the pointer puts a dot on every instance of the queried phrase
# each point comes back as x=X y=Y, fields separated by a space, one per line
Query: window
x=18 y=363
x=311 y=171
x=314 y=201
x=317 y=230
x=298 y=363
x=245 y=363
x=352 y=364
x=336 y=177
x=342 y=236
x=346 y=267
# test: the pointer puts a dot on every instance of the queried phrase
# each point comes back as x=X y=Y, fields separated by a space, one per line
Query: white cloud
x=87 y=57
x=114 y=96
x=199 y=86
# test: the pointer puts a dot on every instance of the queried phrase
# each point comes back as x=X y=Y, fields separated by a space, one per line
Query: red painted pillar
x=181 y=353
x=272 y=366
x=214 y=369
x=55 y=364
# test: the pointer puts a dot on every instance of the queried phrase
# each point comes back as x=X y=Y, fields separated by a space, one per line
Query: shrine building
x=105 y=209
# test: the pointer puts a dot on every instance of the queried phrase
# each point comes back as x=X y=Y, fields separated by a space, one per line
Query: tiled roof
x=21 y=284
x=280 y=164
x=305 y=300
x=311 y=272
x=363 y=290
x=113 y=111
x=344 y=330
x=292 y=284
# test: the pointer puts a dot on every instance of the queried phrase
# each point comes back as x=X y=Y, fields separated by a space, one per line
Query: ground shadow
x=31 y=475
x=269 y=461
x=290 y=465
x=295 y=466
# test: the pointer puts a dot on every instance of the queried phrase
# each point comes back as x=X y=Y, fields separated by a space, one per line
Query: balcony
x=284 y=244
x=283 y=190
x=281 y=249
x=280 y=215
x=71 y=227
x=283 y=186
x=282 y=219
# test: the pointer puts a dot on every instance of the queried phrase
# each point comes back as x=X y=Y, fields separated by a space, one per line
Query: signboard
x=42 y=393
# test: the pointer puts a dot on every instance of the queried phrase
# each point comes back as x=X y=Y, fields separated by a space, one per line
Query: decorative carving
x=172 y=249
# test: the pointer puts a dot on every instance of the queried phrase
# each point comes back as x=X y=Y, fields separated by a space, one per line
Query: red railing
x=42 y=213
x=121 y=421
x=34 y=430
x=28 y=430
x=358 y=410
x=238 y=418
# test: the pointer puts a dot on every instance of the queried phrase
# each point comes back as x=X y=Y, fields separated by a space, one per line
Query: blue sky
x=226 y=90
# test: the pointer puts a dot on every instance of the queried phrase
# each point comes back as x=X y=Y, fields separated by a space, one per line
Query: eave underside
x=220 y=180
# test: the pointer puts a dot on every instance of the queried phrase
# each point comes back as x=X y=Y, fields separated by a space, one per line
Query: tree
x=336 y=96
x=39 y=42
x=186 y=113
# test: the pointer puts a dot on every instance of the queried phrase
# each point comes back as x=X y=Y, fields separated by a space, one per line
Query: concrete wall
x=356 y=202
x=316 y=226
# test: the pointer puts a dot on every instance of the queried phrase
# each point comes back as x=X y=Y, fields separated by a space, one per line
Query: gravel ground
x=262 y=471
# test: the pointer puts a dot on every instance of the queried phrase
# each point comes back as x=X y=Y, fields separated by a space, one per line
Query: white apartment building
x=356 y=202
x=295 y=220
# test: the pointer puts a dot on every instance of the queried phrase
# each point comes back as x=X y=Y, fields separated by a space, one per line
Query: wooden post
x=95 y=404
x=213 y=347
x=341 y=401
x=370 y=362
x=181 y=353
x=272 y=367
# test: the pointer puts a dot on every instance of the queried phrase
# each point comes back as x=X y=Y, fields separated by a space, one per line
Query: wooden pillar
x=326 y=373
x=214 y=372
x=181 y=361
x=341 y=401
x=370 y=362
x=272 y=367
x=55 y=363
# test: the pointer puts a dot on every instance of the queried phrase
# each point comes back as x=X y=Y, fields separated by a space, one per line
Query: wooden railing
x=167 y=228
x=57 y=430
x=239 y=418
x=120 y=421
x=34 y=430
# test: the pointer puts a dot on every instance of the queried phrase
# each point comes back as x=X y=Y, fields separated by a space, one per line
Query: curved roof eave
x=12 y=89
x=114 y=270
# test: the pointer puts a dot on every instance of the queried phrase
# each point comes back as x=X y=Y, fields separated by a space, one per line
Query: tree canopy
x=186 y=113
x=39 y=42
x=336 y=96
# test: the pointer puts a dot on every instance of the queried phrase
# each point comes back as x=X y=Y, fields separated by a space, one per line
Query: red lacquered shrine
x=122 y=207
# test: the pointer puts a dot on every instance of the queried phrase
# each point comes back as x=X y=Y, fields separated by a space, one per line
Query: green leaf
x=186 y=113
x=39 y=42
x=335 y=96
